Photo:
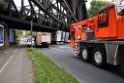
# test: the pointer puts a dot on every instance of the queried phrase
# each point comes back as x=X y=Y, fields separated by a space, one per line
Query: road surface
x=15 y=66
x=64 y=56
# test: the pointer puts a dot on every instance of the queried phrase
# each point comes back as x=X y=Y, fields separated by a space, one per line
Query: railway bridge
x=41 y=15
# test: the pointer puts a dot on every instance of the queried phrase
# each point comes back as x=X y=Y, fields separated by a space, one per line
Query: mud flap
x=122 y=65
x=121 y=59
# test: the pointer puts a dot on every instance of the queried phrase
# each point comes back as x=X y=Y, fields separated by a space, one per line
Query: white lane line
x=63 y=47
x=60 y=50
x=57 y=49
x=1 y=70
x=52 y=48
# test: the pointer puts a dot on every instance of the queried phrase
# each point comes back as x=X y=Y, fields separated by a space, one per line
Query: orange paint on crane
x=75 y=33
x=108 y=24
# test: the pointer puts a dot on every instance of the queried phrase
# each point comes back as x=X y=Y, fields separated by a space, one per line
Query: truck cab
x=42 y=39
x=110 y=22
x=75 y=34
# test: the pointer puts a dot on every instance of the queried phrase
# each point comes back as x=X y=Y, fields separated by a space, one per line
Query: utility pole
x=31 y=8
x=31 y=27
x=22 y=7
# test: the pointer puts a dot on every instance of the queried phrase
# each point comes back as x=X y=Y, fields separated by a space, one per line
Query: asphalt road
x=64 y=56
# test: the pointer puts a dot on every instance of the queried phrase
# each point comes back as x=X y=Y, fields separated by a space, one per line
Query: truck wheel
x=85 y=54
x=99 y=57
x=62 y=43
x=57 y=43
x=77 y=50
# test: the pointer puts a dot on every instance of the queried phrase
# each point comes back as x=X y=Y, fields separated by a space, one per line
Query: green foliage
x=47 y=71
x=17 y=33
x=2 y=4
x=29 y=33
x=1 y=1
x=96 y=5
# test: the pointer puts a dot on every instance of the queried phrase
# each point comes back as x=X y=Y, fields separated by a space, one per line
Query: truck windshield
x=72 y=35
x=120 y=10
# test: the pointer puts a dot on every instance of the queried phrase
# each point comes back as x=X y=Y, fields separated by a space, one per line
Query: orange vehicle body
x=43 y=38
x=39 y=37
x=108 y=24
x=75 y=32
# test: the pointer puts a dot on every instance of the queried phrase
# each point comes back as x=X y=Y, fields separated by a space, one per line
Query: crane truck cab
x=109 y=23
x=101 y=38
x=75 y=34
x=106 y=25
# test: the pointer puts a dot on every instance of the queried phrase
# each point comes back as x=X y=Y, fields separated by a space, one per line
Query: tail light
x=48 y=42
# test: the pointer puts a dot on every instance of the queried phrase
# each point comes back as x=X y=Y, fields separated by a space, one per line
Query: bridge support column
x=6 y=36
x=79 y=9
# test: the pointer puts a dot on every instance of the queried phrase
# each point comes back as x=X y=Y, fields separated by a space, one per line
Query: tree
x=3 y=4
x=96 y=5
x=17 y=34
x=1 y=1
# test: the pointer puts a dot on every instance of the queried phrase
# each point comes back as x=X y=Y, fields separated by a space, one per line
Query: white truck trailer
x=58 y=37
x=66 y=37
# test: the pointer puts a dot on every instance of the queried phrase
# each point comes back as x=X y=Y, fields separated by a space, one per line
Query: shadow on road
x=109 y=68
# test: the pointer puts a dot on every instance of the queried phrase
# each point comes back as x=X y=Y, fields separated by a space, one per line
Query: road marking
x=64 y=47
x=57 y=49
x=60 y=50
x=52 y=48
x=4 y=66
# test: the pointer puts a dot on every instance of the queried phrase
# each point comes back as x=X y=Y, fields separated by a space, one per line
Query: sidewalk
x=15 y=66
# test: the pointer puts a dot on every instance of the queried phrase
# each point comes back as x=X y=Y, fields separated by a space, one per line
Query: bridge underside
x=16 y=23
x=46 y=15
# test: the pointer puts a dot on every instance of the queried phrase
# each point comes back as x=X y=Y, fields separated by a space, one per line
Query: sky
x=18 y=3
x=87 y=3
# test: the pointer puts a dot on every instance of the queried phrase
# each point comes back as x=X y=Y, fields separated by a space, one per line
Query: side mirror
x=71 y=37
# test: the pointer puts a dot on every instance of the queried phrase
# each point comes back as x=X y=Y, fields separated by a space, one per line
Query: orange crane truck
x=101 y=38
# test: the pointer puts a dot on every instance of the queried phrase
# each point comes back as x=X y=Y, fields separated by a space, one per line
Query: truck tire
x=99 y=57
x=57 y=43
x=77 y=50
x=62 y=43
x=85 y=54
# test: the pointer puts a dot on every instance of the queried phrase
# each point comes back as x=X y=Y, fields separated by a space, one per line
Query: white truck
x=58 y=37
x=66 y=37
x=42 y=39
